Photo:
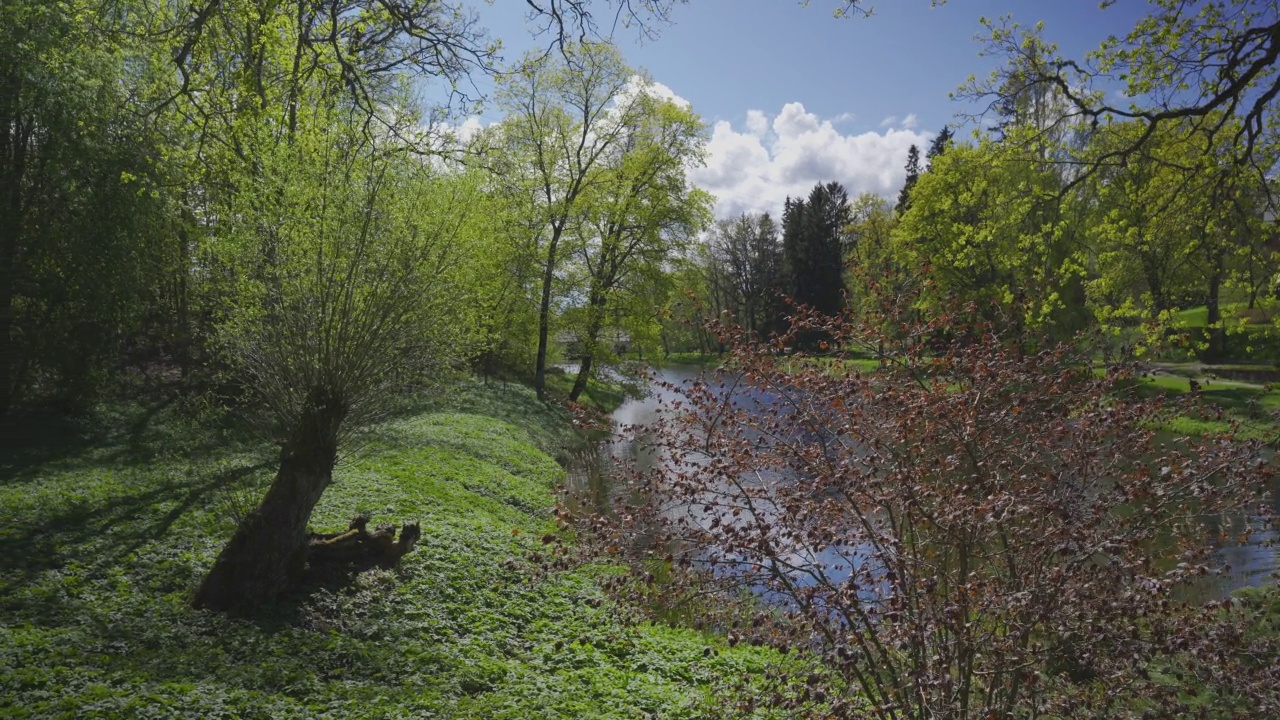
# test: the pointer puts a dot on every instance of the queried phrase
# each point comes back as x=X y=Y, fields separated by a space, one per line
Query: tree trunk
x=544 y=317
x=269 y=549
x=1217 y=335
x=592 y=339
x=13 y=151
x=580 y=383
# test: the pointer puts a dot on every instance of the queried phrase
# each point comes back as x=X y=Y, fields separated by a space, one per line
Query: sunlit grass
x=104 y=541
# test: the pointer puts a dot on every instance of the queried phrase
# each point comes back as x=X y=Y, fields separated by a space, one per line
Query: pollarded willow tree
x=365 y=291
x=312 y=226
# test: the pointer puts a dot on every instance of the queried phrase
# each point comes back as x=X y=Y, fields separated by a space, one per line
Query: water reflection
x=1247 y=548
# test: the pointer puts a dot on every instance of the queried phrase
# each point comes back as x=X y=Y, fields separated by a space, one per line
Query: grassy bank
x=107 y=529
x=691 y=358
x=1225 y=406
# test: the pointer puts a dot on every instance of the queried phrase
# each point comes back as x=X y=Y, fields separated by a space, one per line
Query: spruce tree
x=913 y=174
x=812 y=234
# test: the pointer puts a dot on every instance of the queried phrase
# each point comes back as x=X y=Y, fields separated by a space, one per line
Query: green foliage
x=813 y=246
x=984 y=227
x=82 y=226
x=348 y=271
x=104 y=545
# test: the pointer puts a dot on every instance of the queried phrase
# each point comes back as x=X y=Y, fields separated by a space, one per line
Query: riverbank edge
x=1249 y=410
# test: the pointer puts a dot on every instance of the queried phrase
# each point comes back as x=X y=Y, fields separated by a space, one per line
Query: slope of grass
x=1252 y=407
x=103 y=539
x=1198 y=317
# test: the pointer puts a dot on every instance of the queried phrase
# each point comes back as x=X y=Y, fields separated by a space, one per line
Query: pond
x=594 y=482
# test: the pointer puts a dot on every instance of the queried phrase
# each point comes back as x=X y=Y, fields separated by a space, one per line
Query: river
x=594 y=474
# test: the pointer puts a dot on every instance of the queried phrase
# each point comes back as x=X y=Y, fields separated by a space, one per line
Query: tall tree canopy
x=813 y=247
x=746 y=271
x=583 y=153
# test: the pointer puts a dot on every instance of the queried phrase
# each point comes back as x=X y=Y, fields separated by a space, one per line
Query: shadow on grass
x=164 y=424
x=54 y=540
x=32 y=437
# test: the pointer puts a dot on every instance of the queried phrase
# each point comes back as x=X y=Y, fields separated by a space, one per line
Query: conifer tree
x=913 y=174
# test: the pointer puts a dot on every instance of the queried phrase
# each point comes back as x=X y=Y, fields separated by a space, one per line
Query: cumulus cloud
x=757 y=123
x=652 y=88
x=662 y=92
x=468 y=129
x=753 y=170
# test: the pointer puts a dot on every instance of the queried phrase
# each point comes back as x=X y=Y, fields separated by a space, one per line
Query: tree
x=508 y=270
x=81 y=202
x=1144 y=230
x=363 y=295
x=565 y=22
x=913 y=175
x=985 y=227
x=1212 y=68
x=745 y=257
x=566 y=116
x=939 y=145
x=939 y=559
x=641 y=210
x=1176 y=225
x=812 y=246
x=685 y=317
x=875 y=271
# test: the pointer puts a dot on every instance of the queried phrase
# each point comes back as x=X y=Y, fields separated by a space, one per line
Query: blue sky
x=795 y=96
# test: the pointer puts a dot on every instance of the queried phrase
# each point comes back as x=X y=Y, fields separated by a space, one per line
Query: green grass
x=106 y=529
x=1252 y=407
x=1198 y=317
x=692 y=358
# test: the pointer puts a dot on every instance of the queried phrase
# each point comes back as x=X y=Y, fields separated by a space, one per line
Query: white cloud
x=910 y=122
x=468 y=129
x=750 y=170
x=757 y=123
x=653 y=89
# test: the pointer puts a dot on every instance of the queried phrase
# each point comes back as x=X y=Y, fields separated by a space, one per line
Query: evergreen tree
x=913 y=174
x=812 y=233
x=939 y=145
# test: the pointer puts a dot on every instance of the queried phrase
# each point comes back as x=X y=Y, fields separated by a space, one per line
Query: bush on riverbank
x=106 y=534
x=980 y=531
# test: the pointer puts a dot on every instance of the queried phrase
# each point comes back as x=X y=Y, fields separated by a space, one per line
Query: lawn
x=1198 y=317
x=1252 y=407
x=108 y=525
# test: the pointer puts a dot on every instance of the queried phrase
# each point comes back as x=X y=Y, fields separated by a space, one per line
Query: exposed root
x=343 y=554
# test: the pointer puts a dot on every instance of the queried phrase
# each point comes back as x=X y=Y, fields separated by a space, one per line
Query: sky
x=794 y=96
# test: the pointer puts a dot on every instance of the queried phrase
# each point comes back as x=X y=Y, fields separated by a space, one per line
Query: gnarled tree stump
x=356 y=549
